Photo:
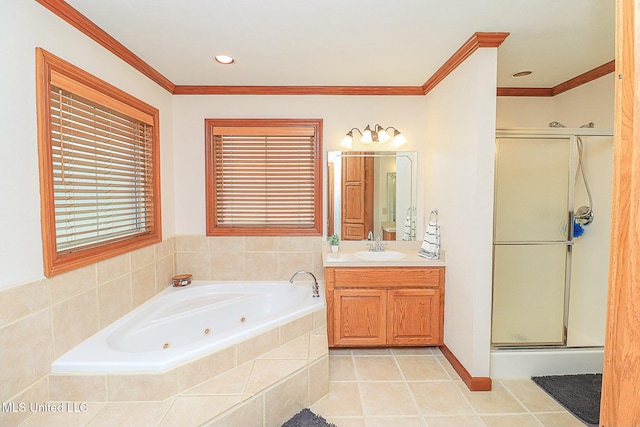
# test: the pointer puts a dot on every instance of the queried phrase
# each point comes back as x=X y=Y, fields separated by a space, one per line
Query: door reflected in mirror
x=372 y=194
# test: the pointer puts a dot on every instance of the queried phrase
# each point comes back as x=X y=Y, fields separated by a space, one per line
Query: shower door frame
x=572 y=134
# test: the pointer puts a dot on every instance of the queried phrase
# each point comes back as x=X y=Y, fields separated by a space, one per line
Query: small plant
x=333 y=240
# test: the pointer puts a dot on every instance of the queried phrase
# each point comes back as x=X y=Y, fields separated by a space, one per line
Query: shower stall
x=552 y=208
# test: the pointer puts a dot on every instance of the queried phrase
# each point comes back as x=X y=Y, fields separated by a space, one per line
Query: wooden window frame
x=212 y=228
x=48 y=67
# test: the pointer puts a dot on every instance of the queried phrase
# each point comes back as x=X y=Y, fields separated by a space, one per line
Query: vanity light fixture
x=378 y=134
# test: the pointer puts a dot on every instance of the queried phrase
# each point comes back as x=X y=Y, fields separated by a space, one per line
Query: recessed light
x=224 y=59
x=521 y=74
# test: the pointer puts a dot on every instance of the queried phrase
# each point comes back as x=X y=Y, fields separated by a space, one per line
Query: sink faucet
x=377 y=246
x=314 y=287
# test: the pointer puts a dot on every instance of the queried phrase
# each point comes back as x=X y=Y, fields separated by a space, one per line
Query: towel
x=430 y=247
x=406 y=235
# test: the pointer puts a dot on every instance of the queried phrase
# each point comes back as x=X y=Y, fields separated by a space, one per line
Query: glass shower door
x=531 y=241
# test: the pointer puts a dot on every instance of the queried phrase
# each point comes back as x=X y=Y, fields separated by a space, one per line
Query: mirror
x=372 y=194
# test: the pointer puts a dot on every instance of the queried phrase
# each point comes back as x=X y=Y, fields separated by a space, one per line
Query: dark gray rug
x=579 y=394
x=306 y=418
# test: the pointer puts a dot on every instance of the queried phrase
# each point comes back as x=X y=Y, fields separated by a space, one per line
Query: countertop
x=345 y=256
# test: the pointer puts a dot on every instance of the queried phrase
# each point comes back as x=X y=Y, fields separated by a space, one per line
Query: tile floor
x=418 y=387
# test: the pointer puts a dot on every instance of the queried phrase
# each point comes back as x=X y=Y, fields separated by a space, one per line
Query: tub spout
x=315 y=288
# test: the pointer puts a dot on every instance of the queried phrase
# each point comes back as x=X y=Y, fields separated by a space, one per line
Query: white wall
x=340 y=114
x=25 y=25
x=460 y=123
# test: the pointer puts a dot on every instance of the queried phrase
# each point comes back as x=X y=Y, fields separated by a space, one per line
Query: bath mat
x=306 y=418
x=579 y=394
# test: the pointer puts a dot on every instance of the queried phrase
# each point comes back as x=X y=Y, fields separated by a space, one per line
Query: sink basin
x=380 y=256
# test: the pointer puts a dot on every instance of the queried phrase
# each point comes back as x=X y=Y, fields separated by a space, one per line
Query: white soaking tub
x=180 y=325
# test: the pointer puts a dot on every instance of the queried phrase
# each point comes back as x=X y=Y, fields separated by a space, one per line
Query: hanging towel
x=406 y=235
x=413 y=225
x=430 y=247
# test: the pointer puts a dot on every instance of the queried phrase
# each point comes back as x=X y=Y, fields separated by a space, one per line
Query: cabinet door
x=360 y=317
x=414 y=317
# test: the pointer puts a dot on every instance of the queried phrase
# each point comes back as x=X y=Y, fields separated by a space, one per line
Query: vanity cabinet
x=384 y=306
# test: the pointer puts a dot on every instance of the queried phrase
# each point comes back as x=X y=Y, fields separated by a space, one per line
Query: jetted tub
x=182 y=324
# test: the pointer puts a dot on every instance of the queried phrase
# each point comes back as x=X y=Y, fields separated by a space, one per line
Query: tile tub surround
x=248 y=258
x=260 y=382
x=55 y=314
x=41 y=320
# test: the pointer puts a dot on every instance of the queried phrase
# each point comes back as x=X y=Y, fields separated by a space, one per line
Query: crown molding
x=583 y=78
x=65 y=11
x=476 y=41
x=299 y=90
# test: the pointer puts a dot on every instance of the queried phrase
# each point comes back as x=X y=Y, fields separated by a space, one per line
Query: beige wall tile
x=318 y=379
x=114 y=300
x=299 y=243
x=226 y=244
x=247 y=414
x=22 y=301
x=196 y=263
x=139 y=387
x=227 y=266
x=262 y=244
x=192 y=244
x=73 y=282
x=205 y=368
x=290 y=262
x=196 y=410
x=142 y=257
x=165 y=270
x=138 y=414
x=318 y=346
x=286 y=399
x=267 y=372
x=231 y=382
x=39 y=392
x=143 y=284
x=74 y=320
x=164 y=248
x=64 y=419
x=261 y=266
x=320 y=318
x=80 y=388
x=31 y=345
x=296 y=328
x=296 y=349
x=113 y=268
x=253 y=347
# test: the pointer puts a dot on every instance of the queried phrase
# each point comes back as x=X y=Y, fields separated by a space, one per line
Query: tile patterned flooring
x=418 y=387
x=367 y=388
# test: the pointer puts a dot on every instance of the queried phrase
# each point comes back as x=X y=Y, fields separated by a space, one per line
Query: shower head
x=556 y=125
x=588 y=125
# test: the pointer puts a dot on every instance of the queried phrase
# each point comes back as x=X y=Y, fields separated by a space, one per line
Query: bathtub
x=182 y=324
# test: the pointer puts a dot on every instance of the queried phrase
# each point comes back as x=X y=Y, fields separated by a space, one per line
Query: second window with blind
x=263 y=177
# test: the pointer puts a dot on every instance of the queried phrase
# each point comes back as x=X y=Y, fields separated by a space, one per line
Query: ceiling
x=355 y=42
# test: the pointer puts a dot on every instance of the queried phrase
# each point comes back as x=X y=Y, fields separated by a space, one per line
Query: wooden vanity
x=396 y=304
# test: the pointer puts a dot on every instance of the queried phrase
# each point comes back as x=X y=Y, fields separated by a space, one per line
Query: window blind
x=265 y=177
x=102 y=173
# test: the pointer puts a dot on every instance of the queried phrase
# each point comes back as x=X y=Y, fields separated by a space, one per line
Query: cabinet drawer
x=387 y=277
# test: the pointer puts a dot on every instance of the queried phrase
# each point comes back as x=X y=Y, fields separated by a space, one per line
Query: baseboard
x=473 y=383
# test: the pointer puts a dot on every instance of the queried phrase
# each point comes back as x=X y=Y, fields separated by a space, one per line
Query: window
x=263 y=177
x=99 y=168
